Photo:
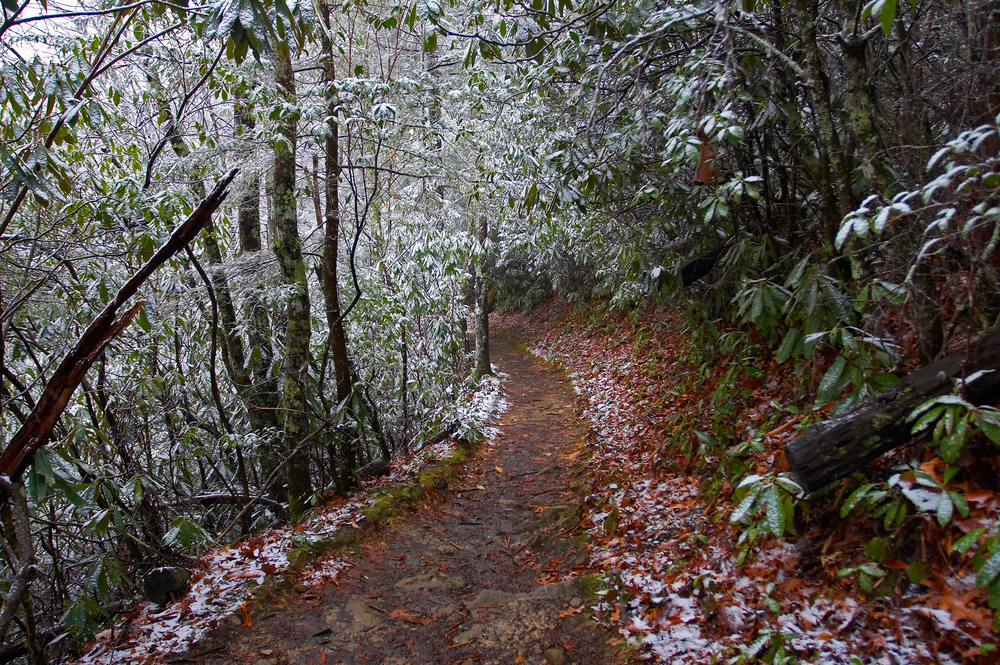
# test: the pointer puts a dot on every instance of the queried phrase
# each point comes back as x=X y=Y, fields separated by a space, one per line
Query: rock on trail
x=492 y=570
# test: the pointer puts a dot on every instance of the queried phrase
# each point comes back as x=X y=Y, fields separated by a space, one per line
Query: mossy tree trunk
x=262 y=395
x=288 y=250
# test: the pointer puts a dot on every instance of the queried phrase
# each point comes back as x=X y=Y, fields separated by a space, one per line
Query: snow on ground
x=224 y=579
x=679 y=596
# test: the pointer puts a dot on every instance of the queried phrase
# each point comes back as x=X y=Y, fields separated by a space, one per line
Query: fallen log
x=37 y=427
x=828 y=451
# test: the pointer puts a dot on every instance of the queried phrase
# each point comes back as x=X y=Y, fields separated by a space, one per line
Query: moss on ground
x=589 y=586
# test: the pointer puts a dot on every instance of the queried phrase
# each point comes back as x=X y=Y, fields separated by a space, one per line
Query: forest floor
x=581 y=532
x=492 y=569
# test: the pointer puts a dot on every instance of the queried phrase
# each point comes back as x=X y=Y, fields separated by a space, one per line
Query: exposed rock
x=298 y=557
x=492 y=598
x=162 y=585
x=431 y=582
x=362 y=615
x=554 y=657
x=473 y=633
x=444 y=611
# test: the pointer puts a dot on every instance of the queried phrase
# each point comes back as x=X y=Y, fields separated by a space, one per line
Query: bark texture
x=288 y=250
x=482 y=310
x=828 y=451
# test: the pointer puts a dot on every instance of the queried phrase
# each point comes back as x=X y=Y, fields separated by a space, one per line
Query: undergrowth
x=912 y=535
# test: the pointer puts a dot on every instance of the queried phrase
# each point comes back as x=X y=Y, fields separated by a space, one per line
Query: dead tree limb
x=833 y=449
x=37 y=428
x=226 y=499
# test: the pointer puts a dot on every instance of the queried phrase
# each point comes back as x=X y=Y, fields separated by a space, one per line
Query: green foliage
x=765 y=506
x=867 y=574
x=955 y=421
x=768 y=647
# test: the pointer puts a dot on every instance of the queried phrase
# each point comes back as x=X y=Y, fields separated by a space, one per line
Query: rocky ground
x=493 y=568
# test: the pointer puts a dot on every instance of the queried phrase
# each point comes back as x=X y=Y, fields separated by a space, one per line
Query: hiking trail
x=492 y=569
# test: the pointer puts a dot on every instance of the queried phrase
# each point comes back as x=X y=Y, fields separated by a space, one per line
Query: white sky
x=29 y=39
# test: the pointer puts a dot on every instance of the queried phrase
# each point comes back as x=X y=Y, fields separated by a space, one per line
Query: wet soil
x=492 y=569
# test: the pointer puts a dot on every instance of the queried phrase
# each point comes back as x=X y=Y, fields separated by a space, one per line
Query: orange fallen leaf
x=894 y=564
x=499 y=470
x=399 y=614
x=956 y=605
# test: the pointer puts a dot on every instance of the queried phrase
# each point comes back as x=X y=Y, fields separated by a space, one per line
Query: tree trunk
x=482 y=310
x=262 y=395
x=927 y=312
x=828 y=451
x=288 y=250
x=349 y=451
x=835 y=182
x=694 y=269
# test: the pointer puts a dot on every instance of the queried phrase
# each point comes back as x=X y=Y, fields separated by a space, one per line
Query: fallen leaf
x=499 y=470
x=956 y=606
x=400 y=614
x=894 y=564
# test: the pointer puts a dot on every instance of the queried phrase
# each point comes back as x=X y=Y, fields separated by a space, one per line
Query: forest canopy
x=823 y=175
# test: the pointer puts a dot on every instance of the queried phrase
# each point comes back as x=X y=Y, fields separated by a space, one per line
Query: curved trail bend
x=480 y=576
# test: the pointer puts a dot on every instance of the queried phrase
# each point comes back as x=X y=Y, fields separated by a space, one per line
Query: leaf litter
x=224 y=579
x=670 y=554
x=675 y=592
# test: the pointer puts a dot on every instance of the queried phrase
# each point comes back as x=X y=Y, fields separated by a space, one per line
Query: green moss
x=392 y=500
x=308 y=550
x=589 y=586
x=298 y=557
x=460 y=453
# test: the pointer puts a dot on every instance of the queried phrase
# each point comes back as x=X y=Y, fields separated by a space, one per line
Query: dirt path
x=471 y=578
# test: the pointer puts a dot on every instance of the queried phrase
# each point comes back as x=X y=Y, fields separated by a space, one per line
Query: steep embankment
x=668 y=449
